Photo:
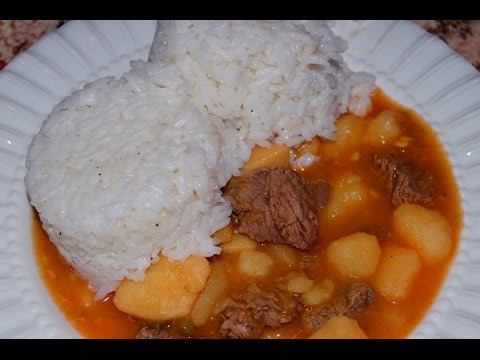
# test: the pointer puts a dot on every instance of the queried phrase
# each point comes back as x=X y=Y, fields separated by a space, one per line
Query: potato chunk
x=427 y=231
x=398 y=268
x=355 y=255
x=255 y=263
x=285 y=255
x=216 y=286
x=238 y=243
x=299 y=284
x=348 y=193
x=168 y=291
x=350 y=132
x=339 y=327
x=275 y=155
x=320 y=293
x=225 y=234
x=384 y=128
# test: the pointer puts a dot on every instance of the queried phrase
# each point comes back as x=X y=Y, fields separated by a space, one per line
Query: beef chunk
x=277 y=205
x=151 y=332
x=406 y=182
x=247 y=316
x=357 y=297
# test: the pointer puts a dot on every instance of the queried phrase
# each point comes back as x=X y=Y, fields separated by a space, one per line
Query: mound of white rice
x=284 y=81
x=125 y=169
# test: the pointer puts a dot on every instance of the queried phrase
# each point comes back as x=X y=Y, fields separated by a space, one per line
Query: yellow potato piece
x=384 y=128
x=285 y=255
x=398 y=268
x=275 y=155
x=168 y=291
x=356 y=255
x=255 y=263
x=238 y=243
x=348 y=194
x=215 y=288
x=350 y=133
x=299 y=284
x=339 y=327
x=319 y=293
x=427 y=231
x=225 y=234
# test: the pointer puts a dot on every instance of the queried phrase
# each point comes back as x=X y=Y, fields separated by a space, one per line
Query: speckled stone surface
x=17 y=35
x=461 y=35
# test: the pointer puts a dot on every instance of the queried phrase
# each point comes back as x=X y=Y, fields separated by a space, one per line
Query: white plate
x=413 y=67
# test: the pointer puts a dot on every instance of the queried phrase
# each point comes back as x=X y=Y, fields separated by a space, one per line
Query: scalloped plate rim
x=21 y=291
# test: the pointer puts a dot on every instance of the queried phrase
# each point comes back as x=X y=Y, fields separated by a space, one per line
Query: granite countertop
x=461 y=35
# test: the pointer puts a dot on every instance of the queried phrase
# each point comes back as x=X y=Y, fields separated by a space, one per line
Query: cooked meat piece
x=277 y=205
x=247 y=316
x=406 y=182
x=357 y=297
x=148 y=332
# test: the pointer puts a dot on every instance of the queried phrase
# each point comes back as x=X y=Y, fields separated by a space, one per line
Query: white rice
x=302 y=161
x=283 y=81
x=112 y=161
x=118 y=157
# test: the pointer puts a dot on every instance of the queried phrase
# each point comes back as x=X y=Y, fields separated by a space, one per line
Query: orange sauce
x=70 y=292
x=383 y=319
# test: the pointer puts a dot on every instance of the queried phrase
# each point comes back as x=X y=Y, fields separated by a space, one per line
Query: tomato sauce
x=70 y=292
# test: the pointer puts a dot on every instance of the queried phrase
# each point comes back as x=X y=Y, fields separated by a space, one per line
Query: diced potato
x=312 y=147
x=168 y=291
x=356 y=255
x=339 y=327
x=350 y=133
x=427 y=231
x=225 y=234
x=284 y=254
x=320 y=293
x=348 y=193
x=215 y=288
x=384 y=128
x=238 y=243
x=299 y=284
x=398 y=268
x=255 y=263
x=275 y=155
